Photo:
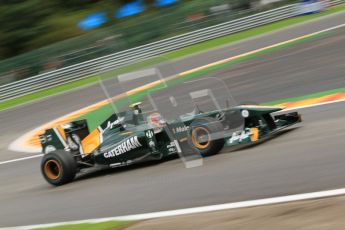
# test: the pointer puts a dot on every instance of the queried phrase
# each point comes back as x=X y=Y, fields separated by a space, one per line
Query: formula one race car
x=127 y=138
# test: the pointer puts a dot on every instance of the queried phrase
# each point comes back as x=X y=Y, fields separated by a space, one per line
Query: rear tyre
x=207 y=136
x=58 y=167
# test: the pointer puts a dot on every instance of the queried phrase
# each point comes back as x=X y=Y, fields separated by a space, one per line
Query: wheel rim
x=52 y=169
x=198 y=135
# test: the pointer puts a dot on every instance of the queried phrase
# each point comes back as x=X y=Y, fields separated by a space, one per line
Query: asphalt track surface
x=308 y=158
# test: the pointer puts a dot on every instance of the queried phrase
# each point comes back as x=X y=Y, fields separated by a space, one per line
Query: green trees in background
x=72 y=4
x=25 y=22
x=21 y=22
x=26 y=25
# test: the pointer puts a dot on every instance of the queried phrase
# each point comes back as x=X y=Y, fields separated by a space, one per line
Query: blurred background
x=38 y=36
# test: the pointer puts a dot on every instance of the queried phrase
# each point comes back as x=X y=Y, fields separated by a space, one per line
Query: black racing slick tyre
x=58 y=167
x=207 y=136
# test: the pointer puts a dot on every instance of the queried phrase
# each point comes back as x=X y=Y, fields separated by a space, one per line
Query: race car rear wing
x=66 y=137
x=75 y=136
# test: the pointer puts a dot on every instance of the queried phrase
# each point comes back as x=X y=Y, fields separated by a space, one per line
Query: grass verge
x=309 y=96
x=170 y=56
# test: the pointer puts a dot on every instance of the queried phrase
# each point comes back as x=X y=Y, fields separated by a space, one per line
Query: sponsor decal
x=49 y=149
x=46 y=138
x=43 y=139
x=149 y=134
x=239 y=136
x=181 y=129
x=171 y=147
x=245 y=113
x=111 y=125
x=126 y=146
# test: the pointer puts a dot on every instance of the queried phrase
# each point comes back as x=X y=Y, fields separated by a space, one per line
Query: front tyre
x=58 y=167
x=206 y=136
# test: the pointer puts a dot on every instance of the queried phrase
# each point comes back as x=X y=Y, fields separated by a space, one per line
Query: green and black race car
x=127 y=138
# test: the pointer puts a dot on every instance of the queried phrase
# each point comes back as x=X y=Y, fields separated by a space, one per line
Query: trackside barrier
x=134 y=55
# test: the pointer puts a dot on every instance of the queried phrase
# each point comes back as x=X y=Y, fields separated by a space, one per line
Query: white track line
x=211 y=208
x=20 y=159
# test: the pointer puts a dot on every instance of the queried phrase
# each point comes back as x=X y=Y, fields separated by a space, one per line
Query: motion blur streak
x=211 y=208
x=296 y=162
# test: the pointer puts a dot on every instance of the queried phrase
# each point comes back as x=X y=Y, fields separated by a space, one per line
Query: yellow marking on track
x=313 y=101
